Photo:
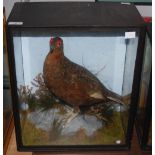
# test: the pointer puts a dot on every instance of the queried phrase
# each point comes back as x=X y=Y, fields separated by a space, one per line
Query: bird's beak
x=51 y=48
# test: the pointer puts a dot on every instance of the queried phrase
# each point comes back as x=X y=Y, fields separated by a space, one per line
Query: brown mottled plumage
x=71 y=82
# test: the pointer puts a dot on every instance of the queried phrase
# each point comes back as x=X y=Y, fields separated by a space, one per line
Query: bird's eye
x=58 y=43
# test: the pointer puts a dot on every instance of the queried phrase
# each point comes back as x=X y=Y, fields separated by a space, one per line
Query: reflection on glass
x=144 y=85
x=79 y=92
x=149 y=142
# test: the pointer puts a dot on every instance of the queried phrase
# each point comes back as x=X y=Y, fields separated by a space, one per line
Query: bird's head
x=56 y=44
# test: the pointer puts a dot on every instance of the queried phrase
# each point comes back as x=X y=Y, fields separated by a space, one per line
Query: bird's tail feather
x=115 y=100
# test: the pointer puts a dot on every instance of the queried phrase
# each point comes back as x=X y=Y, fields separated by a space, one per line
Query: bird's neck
x=57 y=54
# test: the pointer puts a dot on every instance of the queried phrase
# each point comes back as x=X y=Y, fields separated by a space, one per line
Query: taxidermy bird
x=73 y=83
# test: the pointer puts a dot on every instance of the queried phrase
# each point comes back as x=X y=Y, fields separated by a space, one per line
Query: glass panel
x=144 y=85
x=129 y=64
x=79 y=92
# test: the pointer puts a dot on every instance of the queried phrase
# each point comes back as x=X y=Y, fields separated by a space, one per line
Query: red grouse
x=71 y=82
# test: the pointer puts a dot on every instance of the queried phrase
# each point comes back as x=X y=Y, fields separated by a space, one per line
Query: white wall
x=8 y=6
x=145 y=11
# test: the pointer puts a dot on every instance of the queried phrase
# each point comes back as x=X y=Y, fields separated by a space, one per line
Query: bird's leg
x=70 y=115
x=100 y=117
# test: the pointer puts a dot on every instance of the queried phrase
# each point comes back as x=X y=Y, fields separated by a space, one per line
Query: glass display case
x=144 y=112
x=75 y=74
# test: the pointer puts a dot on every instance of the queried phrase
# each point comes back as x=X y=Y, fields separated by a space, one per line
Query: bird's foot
x=69 y=116
x=100 y=117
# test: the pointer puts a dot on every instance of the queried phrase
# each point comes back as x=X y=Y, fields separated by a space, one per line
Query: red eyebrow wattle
x=51 y=40
x=58 y=42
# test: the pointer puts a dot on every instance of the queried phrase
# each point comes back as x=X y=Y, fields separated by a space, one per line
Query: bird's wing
x=91 y=85
x=81 y=72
